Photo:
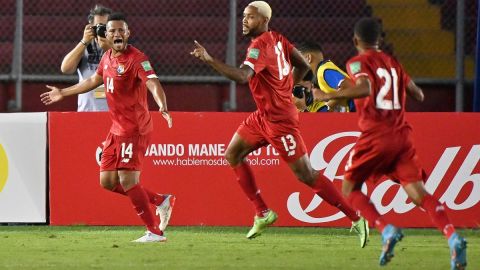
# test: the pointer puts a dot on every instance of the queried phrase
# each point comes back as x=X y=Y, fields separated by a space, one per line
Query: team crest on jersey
x=105 y=66
x=254 y=53
x=120 y=69
x=355 y=67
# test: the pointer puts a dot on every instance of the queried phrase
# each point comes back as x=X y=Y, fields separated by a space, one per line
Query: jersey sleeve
x=255 y=58
x=144 y=69
x=357 y=68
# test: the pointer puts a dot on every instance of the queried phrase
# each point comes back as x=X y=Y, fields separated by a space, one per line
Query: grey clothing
x=87 y=102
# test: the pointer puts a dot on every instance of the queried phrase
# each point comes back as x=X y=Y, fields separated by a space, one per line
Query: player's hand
x=51 y=97
x=319 y=95
x=300 y=103
x=167 y=117
x=88 y=34
x=201 y=53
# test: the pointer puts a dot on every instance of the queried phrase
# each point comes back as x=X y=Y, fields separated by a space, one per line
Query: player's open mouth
x=118 y=41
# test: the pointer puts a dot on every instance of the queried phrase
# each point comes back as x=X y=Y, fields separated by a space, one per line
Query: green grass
x=82 y=247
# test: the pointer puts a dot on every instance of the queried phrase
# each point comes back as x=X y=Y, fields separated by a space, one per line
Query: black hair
x=369 y=30
x=98 y=10
x=309 y=46
x=117 y=16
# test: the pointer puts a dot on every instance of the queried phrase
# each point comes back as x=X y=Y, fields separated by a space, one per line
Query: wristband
x=83 y=42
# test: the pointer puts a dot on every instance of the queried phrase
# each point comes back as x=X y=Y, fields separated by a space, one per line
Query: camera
x=99 y=30
x=300 y=91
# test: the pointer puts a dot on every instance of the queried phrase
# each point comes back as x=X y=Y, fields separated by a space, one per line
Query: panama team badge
x=120 y=69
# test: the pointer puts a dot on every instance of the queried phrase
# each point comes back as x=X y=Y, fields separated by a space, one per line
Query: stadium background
x=35 y=35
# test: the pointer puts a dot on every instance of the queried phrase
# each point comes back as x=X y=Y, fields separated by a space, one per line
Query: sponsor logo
x=253 y=53
x=146 y=66
x=399 y=204
x=3 y=168
x=355 y=67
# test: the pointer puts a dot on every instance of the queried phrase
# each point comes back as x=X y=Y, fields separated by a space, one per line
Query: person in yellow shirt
x=327 y=78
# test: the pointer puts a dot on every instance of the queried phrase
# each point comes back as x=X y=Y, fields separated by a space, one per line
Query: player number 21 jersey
x=384 y=109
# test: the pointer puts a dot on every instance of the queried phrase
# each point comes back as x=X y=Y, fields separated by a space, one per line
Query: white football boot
x=150 y=237
x=164 y=211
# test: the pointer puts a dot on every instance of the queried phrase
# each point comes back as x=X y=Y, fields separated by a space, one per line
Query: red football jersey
x=271 y=85
x=124 y=78
x=384 y=109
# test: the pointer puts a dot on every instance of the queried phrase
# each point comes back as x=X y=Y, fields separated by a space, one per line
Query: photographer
x=327 y=77
x=86 y=55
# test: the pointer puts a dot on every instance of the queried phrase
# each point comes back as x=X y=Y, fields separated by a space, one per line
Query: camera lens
x=99 y=30
x=298 y=91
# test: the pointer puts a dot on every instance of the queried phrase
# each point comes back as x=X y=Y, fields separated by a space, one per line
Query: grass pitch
x=84 y=247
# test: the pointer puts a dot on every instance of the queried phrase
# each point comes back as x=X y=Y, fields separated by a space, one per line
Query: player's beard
x=250 y=32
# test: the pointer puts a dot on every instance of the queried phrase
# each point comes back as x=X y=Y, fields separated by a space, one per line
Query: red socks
x=140 y=202
x=153 y=197
x=436 y=211
x=326 y=189
x=247 y=182
x=363 y=204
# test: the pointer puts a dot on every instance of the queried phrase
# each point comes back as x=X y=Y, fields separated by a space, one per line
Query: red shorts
x=284 y=136
x=386 y=154
x=124 y=153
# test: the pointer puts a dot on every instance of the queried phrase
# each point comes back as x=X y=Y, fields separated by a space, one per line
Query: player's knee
x=349 y=186
x=232 y=158
x=417 y=200
x=346 y=192
x=306 y=177
x=106 y=183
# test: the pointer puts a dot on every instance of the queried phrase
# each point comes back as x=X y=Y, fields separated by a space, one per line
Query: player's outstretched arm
x=347 y=90
x=415 y=92
x=240 y=75
x=55 y=94
x=155 y=87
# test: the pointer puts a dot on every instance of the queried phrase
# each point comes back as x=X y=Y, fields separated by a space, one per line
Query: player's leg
x=391 y=235
x=139 y=199
x=458 y=246
x=235 y=154
x=288 y=142
x=365 y=163
x=245 y=140
x=322 y=186
x=109 y=181
x=249 y=137
x=130 y=156
x=325 y=188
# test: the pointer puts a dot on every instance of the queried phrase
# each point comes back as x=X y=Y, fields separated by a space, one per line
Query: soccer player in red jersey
x=268 y=70
x=127 y=74
x=385 y=145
